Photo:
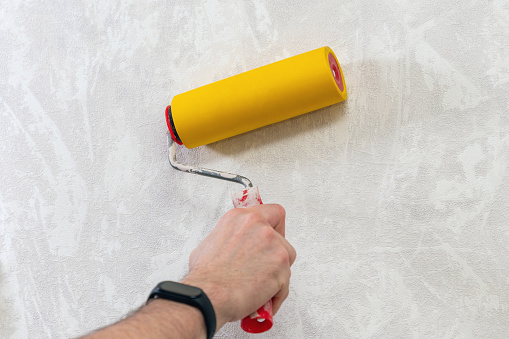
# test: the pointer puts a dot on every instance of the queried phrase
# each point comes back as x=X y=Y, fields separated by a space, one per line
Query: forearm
x=159 y=319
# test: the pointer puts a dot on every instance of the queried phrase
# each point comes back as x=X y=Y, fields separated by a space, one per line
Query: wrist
x=216 y=295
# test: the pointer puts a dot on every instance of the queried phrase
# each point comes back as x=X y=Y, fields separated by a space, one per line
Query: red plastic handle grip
x=261 y=320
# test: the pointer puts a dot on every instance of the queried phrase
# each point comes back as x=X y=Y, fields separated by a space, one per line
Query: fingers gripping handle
x=261 y=320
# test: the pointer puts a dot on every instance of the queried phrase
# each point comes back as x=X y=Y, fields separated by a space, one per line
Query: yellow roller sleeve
x=259 y=97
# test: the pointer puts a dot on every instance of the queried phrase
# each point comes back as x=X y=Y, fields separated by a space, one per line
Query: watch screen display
x=174 y=287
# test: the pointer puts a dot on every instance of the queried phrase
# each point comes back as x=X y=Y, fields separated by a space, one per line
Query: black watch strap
x=189 y=295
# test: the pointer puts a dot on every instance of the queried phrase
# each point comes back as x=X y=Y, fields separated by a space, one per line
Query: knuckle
x=268 y=235
x=281 y=211
x=253 y=217
x=293 y=254
x=233 y=213
x=233 y=218
x=282 y=258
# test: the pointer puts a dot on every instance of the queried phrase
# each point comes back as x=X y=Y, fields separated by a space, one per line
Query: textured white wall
x=397 y=200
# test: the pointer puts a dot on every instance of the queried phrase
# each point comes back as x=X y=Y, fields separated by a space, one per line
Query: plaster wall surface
x=397 y=200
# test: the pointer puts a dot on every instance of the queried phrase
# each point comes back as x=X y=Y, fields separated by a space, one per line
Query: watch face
x=186 y=290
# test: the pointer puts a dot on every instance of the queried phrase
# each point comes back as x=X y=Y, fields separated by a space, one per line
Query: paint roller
x=247 y=101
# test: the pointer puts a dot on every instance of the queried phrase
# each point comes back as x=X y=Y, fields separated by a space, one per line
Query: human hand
x=244 y=262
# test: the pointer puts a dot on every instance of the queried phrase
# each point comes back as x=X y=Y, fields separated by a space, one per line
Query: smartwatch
x=189 y=295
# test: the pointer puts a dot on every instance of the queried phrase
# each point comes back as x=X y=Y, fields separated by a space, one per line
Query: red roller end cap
x=170 y=127
x=336 y=72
